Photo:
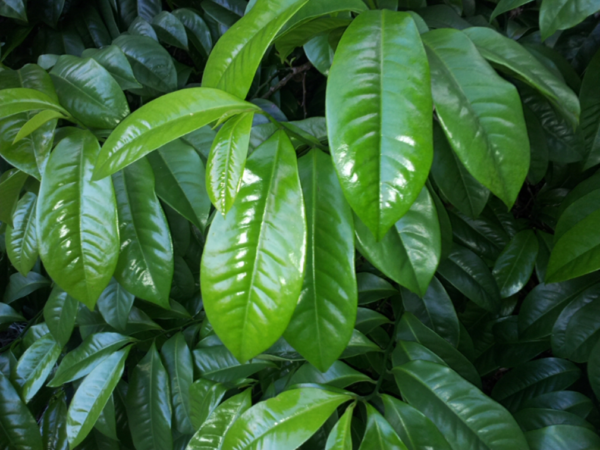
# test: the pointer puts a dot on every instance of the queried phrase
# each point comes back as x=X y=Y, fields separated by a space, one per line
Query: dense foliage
x=316 y=224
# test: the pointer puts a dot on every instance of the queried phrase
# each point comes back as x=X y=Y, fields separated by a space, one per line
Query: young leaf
x=37 y=121
x=379 y=117
x=60 y=312
x=21 y=237
x=379 y=433
x=340 y=437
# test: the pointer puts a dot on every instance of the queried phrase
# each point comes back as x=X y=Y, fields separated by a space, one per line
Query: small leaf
x=60 y=312
x=204 y=397
x=115 y=305
x=515 y=264
x=35 y=365
x=37 y=121
x=21 y=237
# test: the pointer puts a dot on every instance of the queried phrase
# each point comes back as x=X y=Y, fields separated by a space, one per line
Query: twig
x=285 y=80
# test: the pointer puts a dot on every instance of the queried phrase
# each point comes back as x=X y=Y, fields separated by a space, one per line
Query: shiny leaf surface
x=60 y=312
x=515 y=264
x=21 y=237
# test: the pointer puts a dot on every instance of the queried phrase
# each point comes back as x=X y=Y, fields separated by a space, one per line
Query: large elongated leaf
x=148 y=404
x=410 y=252
x=145 y=266
x=323 y=321
x=563 y=437
x=77 y=220
x=480 y=112
x=466 y=417
x=379 y=117
x=92 y=395
x=205 y=396
x=250 y=287
x=21 y=237
x=162 y=121
x=36 y=364
x=234 y=60
x=562 y=14
x=283 y=422
x=19 y=429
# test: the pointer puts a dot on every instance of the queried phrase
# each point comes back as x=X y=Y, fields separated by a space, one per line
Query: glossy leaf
x=18 y=100
x=379 y=117
x=530 y=419
x=170 y=30
x=563 y=437
x=464 y=415
x=480 y=113
x=204 y=397
x=20 y=286
x=504 y=6
x=283 y=422
x=60 y=312
x=323 y=320
x=218 y=364
x=562 y=14
x=379 y=433
x=115 y=305
x=250 y=289
x=92 y=395
x=77 y=220
x=340 y=437
x=15 y=9
x=10 y=189
x=372 y=288
x=115 y=62
x=37 y=121
x=54 y=426
x=21 y=237
x=339 y=375
x=36 y=364
x=145 y=265
x=198 y=32
x=570 y=401
x=515 y=264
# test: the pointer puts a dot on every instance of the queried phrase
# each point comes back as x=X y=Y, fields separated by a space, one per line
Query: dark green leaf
x=379 y=433
x=115 y=305
x=21 y=237
x=60 y=312
x=340 y=437
x=54 y=425
x=563 y=437
x=515 y=264
x=170 y=30
x=204 y=397
x=218 y=364
x=35 y=365
x=339 y=375
x=562 y=14
x=115 y=62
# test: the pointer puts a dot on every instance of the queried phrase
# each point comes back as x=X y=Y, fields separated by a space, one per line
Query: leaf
x=516 y=60
x=534 y=378
x=562 y=437
x=8 y=316
x=197 y=31
x=569 y=401
x=37 y=121
x=180 y=183
x=236 y=56
x=10 y=190
x=20 y=286
x=483 y=235
x=483 y=122
x=562 y=14
x=319 y=53
x=303 y=32
x=530 y=419
x=323 y=320
x=178 y=362
x=340 y=437
x=60 y=312
x=15 y=9
x=467 y=272
x=211 y=434
x=54 y=426
x=35 y=365
x=379 y=433
x=146 y=9
x=77 y=220
x=115 y=305
x=250 y=289
x=91 y=352
x=379 y=119
x=371 y=288
x=20 y=430
x=18 y=100
x=339 y=375
x=148 y=404
x=590 y=112
x=162 y=121
x=515 y=264
x=140 y=27
x=359 y=345
x=21 y=237
x=367 y=320
x=218 y=364
x=435 y=310
x=204 y=397
x=88 y=92
x=593 y=369
x=410 y=252
x=463 y=414
x=506 y=6
x=145 y=266
x=226 y=161
x=115 y=62
x=414 y=428
x=170 y=30
x=92 y=395
x=283 y=422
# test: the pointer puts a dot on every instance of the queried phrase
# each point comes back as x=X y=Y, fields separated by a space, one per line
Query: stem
x=285 y=80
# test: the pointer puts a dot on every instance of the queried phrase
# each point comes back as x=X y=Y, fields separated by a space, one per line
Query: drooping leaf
x=379 y=118
x=18 y=100
x=60 y=312
x=198 y=32
x=21 y=237
x=20 y=286
x=562 y=14
x=35 y=365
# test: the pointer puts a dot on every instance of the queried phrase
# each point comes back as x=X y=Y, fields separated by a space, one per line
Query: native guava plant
x=315 y=224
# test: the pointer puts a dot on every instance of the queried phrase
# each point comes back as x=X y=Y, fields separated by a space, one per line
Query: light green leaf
x=36 y=122
x=340 y=437
x=21 y=237
x=18 y=100
x=60 y=312
x=379 y=433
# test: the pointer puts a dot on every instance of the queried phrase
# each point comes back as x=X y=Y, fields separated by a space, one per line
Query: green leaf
x=180 y=183
x=534 y=378
x=379 y=120
x=466 y=417
x=170 y=30
x=538 y=146
x=359 y=345
x=250 y=288
x=145 y=266
x=178 y=362
x=590 y=112
x=204 y=397
x=148 y=404
x=413 y=427
x=283 y=422
x=563 y=437
x=211 y=434
x=515 y=264
x=92 y=351
x=299 y=35
x=516 y=60
x=197 y=31
x=77 y=220
x=35 y=365
x=371 y=288
x=506 y=6
x=11 y=185
x=19 y=429
x=453 y=180
x=483 y=120
x=465 y=271
x=140 y=27
x=21 y=237
x=60 y=312
x=410 y=252
x=29 y=76
x=569 y=401
x=323 y=320
x=226 y=161
x=367 y=320
x=54 y=425
x=18 y=100
x=9 y=316
x=92 y=395
x=20 y=286
x=340 y=437
x=483 y=235
x=379 y=433
x=435 y=310
x=593 y=369
x=88 y=92
x=115 y=305
x=234 y=60
x=530 y=419
x=37 y=121
x=15 y=9
x=339 y=375
x=562 y=14
x=162 y=121
x=218 y=364
x=319 y=53
x=115 y=62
